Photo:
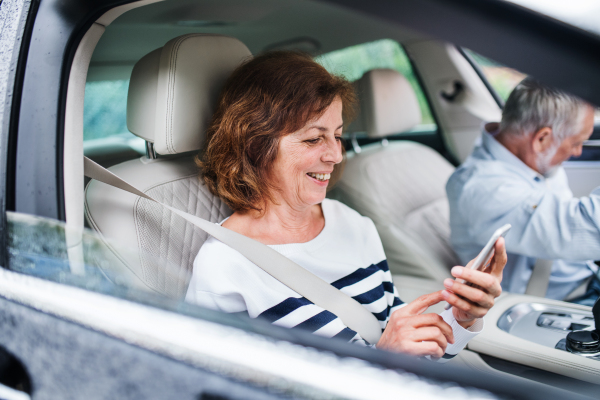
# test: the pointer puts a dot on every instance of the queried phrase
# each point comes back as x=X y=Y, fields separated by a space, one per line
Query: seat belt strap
x=303 y=282
x=540 y=278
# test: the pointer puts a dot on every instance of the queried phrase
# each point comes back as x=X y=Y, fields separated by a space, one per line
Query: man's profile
x=514 y=175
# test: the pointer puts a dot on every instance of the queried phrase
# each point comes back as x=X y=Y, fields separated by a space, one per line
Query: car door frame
x=32 y=156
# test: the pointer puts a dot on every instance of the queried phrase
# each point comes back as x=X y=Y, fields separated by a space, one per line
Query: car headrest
x=388 y=104
x=173 y=90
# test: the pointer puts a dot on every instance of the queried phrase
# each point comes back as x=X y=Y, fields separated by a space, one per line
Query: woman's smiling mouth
x=319 y=177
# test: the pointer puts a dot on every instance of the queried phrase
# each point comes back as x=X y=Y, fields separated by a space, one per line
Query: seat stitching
x=138 y=229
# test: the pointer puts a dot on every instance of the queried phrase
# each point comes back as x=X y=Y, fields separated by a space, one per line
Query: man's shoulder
x=499 y=183
x=485 y=170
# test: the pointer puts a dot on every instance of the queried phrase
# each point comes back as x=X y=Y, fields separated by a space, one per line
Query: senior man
x=514 y=175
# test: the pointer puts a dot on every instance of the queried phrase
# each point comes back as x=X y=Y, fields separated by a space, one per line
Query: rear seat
x=400 y=185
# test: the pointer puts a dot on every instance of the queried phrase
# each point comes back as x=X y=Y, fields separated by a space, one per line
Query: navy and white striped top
x=347 y=253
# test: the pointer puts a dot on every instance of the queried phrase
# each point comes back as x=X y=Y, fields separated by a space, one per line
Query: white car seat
x=400 y=185
x=172 y=95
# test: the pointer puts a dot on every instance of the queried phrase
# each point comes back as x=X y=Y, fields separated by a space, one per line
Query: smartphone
x=485 y=256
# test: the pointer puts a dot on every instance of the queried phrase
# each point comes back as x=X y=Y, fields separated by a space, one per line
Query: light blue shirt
x=493 y=187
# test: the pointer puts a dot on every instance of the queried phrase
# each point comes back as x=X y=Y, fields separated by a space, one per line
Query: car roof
x=554 y=52
x=316 y=27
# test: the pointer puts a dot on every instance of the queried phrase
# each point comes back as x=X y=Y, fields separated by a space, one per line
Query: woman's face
x=306 y=158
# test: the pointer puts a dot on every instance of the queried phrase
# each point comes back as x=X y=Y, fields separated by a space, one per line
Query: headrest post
x=355 y=145
x=150 y=152
x=384 y=142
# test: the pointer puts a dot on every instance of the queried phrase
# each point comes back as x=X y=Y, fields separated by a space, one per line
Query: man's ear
x=542 y=140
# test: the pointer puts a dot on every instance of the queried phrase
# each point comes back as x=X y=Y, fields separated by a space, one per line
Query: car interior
x=176 y=55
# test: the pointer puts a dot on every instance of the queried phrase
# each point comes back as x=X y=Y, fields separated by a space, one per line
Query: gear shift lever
x=596 y=314
x=586 y=341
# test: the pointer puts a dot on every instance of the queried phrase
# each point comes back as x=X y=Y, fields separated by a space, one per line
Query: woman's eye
x=313 y=141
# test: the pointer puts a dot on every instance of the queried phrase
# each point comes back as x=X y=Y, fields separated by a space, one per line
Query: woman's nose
x=333 y=153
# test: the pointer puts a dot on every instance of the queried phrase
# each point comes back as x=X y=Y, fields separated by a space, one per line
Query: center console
x=558 y=327
x=545 y=334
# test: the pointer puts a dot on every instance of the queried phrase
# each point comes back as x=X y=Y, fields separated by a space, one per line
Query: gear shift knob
x=586 y=341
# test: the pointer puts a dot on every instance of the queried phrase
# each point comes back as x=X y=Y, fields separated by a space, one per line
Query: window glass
x=50 y=249
x=502 y=79
x=352 y=62
x=105 y=109
x=106 y=138
x=38 y=246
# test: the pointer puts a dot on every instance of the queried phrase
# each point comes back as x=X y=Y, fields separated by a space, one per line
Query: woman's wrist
x=466 y=324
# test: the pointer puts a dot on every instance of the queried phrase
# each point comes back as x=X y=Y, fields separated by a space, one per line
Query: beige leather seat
x=172 y=95
x=401 y=185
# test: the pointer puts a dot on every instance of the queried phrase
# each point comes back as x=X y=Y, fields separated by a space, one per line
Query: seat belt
x=303 y=282
x=540 y=278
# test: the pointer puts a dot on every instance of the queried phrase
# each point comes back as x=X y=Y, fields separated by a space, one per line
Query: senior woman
x=273 y=148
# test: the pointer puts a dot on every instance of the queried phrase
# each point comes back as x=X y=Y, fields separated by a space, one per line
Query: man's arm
x=544 y=224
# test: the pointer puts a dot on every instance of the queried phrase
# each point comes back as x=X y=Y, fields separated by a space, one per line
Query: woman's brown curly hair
x=265 y=98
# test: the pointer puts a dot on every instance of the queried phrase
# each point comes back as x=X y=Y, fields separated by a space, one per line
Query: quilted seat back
x=172 y=95
x=163 y=244
x=400 y=185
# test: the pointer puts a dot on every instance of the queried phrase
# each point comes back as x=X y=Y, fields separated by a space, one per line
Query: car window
x=501 y=78
x=105 y=135
x=40 y=247
x=352 y=62
x=52 y=250
x=104 y=110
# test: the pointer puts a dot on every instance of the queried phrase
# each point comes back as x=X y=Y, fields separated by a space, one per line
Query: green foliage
x=500 y=77
x=105 y=104
x=352 y=62
x=105 y=109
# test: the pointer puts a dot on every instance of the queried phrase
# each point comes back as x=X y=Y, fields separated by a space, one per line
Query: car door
x=76 y=334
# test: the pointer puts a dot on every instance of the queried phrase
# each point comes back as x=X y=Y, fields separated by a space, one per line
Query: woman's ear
x=542 y=140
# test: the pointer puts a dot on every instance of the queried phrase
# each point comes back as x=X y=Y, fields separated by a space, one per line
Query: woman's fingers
x=499 y=260
x=412 y=332
x=433 y=320
x=488 y=282
x=475 y=297
x=429 y=334
x=421 y=304
x=470 y=310
x=470 y=293
x=421 y=349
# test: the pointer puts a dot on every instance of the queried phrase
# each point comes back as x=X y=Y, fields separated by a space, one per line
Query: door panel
x=68 y=361
x=584 y=176
x=584 y=171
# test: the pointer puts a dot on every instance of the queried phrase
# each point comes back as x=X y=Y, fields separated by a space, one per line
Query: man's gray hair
x=532 y=106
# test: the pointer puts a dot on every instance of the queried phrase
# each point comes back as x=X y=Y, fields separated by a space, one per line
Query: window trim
x=444 y=146
x=56 y=32
x=14 y=85
x=482 y=76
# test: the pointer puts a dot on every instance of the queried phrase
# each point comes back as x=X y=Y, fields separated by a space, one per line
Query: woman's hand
x=470 y=302
x=412 y=332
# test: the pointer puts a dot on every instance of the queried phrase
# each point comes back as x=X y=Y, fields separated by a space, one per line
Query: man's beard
x=544 y=162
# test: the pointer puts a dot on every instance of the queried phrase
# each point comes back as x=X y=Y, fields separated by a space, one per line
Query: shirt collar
x=501 y=153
